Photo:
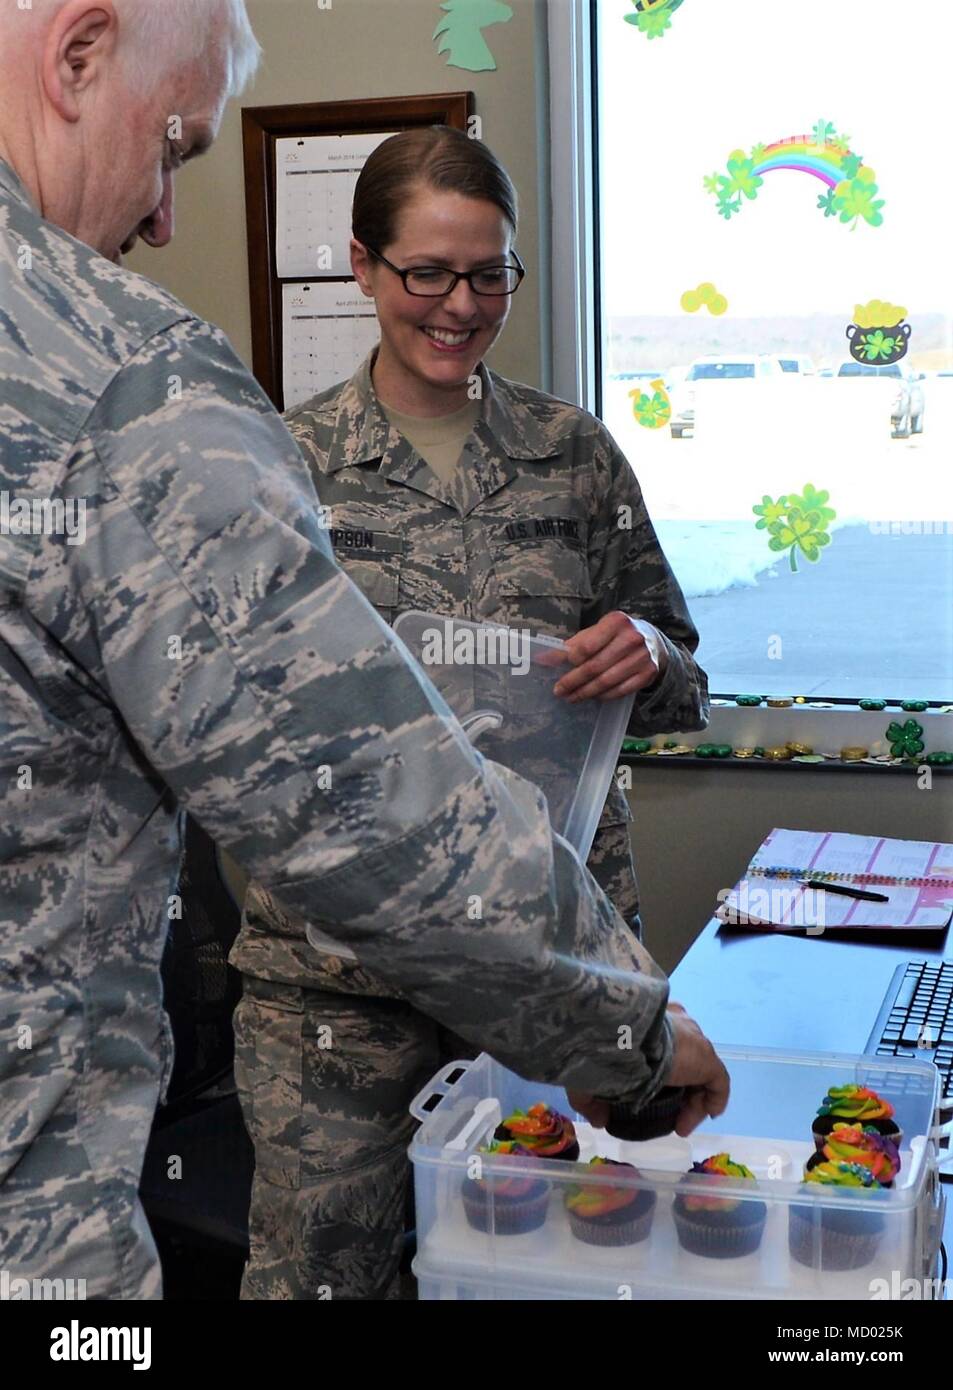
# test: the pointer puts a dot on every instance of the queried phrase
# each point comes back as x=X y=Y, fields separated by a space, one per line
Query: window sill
x=822 y=731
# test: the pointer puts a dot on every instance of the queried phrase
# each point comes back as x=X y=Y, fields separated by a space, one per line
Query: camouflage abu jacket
x=174 y=632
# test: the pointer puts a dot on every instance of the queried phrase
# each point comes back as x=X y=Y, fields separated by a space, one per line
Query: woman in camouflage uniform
x=453 y=491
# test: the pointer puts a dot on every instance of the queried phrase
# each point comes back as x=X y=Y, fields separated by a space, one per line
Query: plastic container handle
x=436 y=1086
x=485 y=1112
x=477 y=723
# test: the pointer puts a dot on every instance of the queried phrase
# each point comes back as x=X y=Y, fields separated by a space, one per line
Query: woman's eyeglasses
x=436 y=282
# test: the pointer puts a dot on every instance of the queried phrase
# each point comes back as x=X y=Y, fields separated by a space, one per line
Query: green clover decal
x=797 y=523
x=653 y=411
x=814 y=502
x=654 y=22
x=826 y=203
x=852 y=165
x=799 y=533
x=877 y=345
x=824 y=131
x=743 y=177
x=856 y=198
x=770 y=512
x=905 y=739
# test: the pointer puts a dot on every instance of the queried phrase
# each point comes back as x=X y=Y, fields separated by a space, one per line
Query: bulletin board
x=276 y=200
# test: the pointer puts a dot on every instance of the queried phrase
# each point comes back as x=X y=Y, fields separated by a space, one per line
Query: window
x=773 y=214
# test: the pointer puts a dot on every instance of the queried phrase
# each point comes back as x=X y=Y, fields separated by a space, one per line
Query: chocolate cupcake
x=719 y=1227
x=855 y=1105
x=541 y=1130
x=606 y=1215
x=652 y=1121
x=836 y=1238
x=506 y=1204
x=851 y=1144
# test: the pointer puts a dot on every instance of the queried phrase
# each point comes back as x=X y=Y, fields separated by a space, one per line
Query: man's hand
x=614 y=657
x=695 y=1065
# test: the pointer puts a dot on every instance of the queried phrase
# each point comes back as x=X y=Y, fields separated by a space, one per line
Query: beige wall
x=363 y=48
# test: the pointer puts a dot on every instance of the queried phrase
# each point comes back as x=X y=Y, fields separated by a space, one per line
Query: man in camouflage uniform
x=540 y=526
x=174 y=632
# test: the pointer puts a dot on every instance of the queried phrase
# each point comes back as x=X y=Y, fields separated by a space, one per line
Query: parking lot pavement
x=873 y=617
x=875 y=614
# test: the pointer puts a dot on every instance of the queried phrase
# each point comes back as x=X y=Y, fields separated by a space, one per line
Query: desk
x=793 y=992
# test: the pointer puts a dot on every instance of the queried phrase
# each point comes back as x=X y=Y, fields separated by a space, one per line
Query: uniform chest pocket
x=541 y=557
x=372 y=558
x=539 y=574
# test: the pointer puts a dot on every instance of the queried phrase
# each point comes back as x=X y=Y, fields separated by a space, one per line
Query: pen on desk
x=846 y=891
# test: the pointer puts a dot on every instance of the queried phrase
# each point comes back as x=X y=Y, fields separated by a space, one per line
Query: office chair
x=196 y=1179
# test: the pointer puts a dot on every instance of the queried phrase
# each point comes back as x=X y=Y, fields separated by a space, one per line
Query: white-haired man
x=192 y=644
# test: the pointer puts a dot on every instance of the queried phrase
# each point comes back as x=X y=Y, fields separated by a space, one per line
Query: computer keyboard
x=916 y=1019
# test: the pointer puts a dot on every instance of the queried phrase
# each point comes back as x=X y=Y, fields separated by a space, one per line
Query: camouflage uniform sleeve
x=629 y=572
x=281 y=711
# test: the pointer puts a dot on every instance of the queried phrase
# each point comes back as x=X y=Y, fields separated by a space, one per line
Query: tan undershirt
x=438 y=440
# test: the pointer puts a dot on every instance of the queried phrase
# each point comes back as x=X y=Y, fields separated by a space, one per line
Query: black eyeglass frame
x=458 y=275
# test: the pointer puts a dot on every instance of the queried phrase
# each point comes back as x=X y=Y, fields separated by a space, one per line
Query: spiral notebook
x=915 y=875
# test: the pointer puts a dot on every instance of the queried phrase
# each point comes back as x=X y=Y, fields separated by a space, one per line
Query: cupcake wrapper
x=626 y=1232
x=718 y=1242
x=848 y=1240
x=503 y=1217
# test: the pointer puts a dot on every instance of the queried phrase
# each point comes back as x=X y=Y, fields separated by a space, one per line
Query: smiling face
x=430 y=348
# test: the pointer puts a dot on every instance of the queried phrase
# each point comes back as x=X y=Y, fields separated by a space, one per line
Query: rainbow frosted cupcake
x=835 y=1238
x=505 y=1204
x=542 y=1131
x=855 y=1105
x=606 y=1215
x=719 y=1227
x=851 y=1144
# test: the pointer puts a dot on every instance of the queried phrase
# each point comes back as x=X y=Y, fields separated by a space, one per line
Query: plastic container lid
x=499 y=683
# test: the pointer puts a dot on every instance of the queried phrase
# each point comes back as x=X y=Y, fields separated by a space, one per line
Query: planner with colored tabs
x=916 y=876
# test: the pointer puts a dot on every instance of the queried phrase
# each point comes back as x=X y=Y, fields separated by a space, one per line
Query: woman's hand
x=614 y=657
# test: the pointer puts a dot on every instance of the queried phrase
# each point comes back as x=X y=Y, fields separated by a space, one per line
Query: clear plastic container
x=893 y=1234
x=499 y=683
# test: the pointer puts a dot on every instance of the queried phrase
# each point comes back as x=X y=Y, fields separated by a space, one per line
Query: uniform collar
x=11 y=183
x=362 y=429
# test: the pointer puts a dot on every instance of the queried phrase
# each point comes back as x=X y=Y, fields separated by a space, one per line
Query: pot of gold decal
x=878 y=335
